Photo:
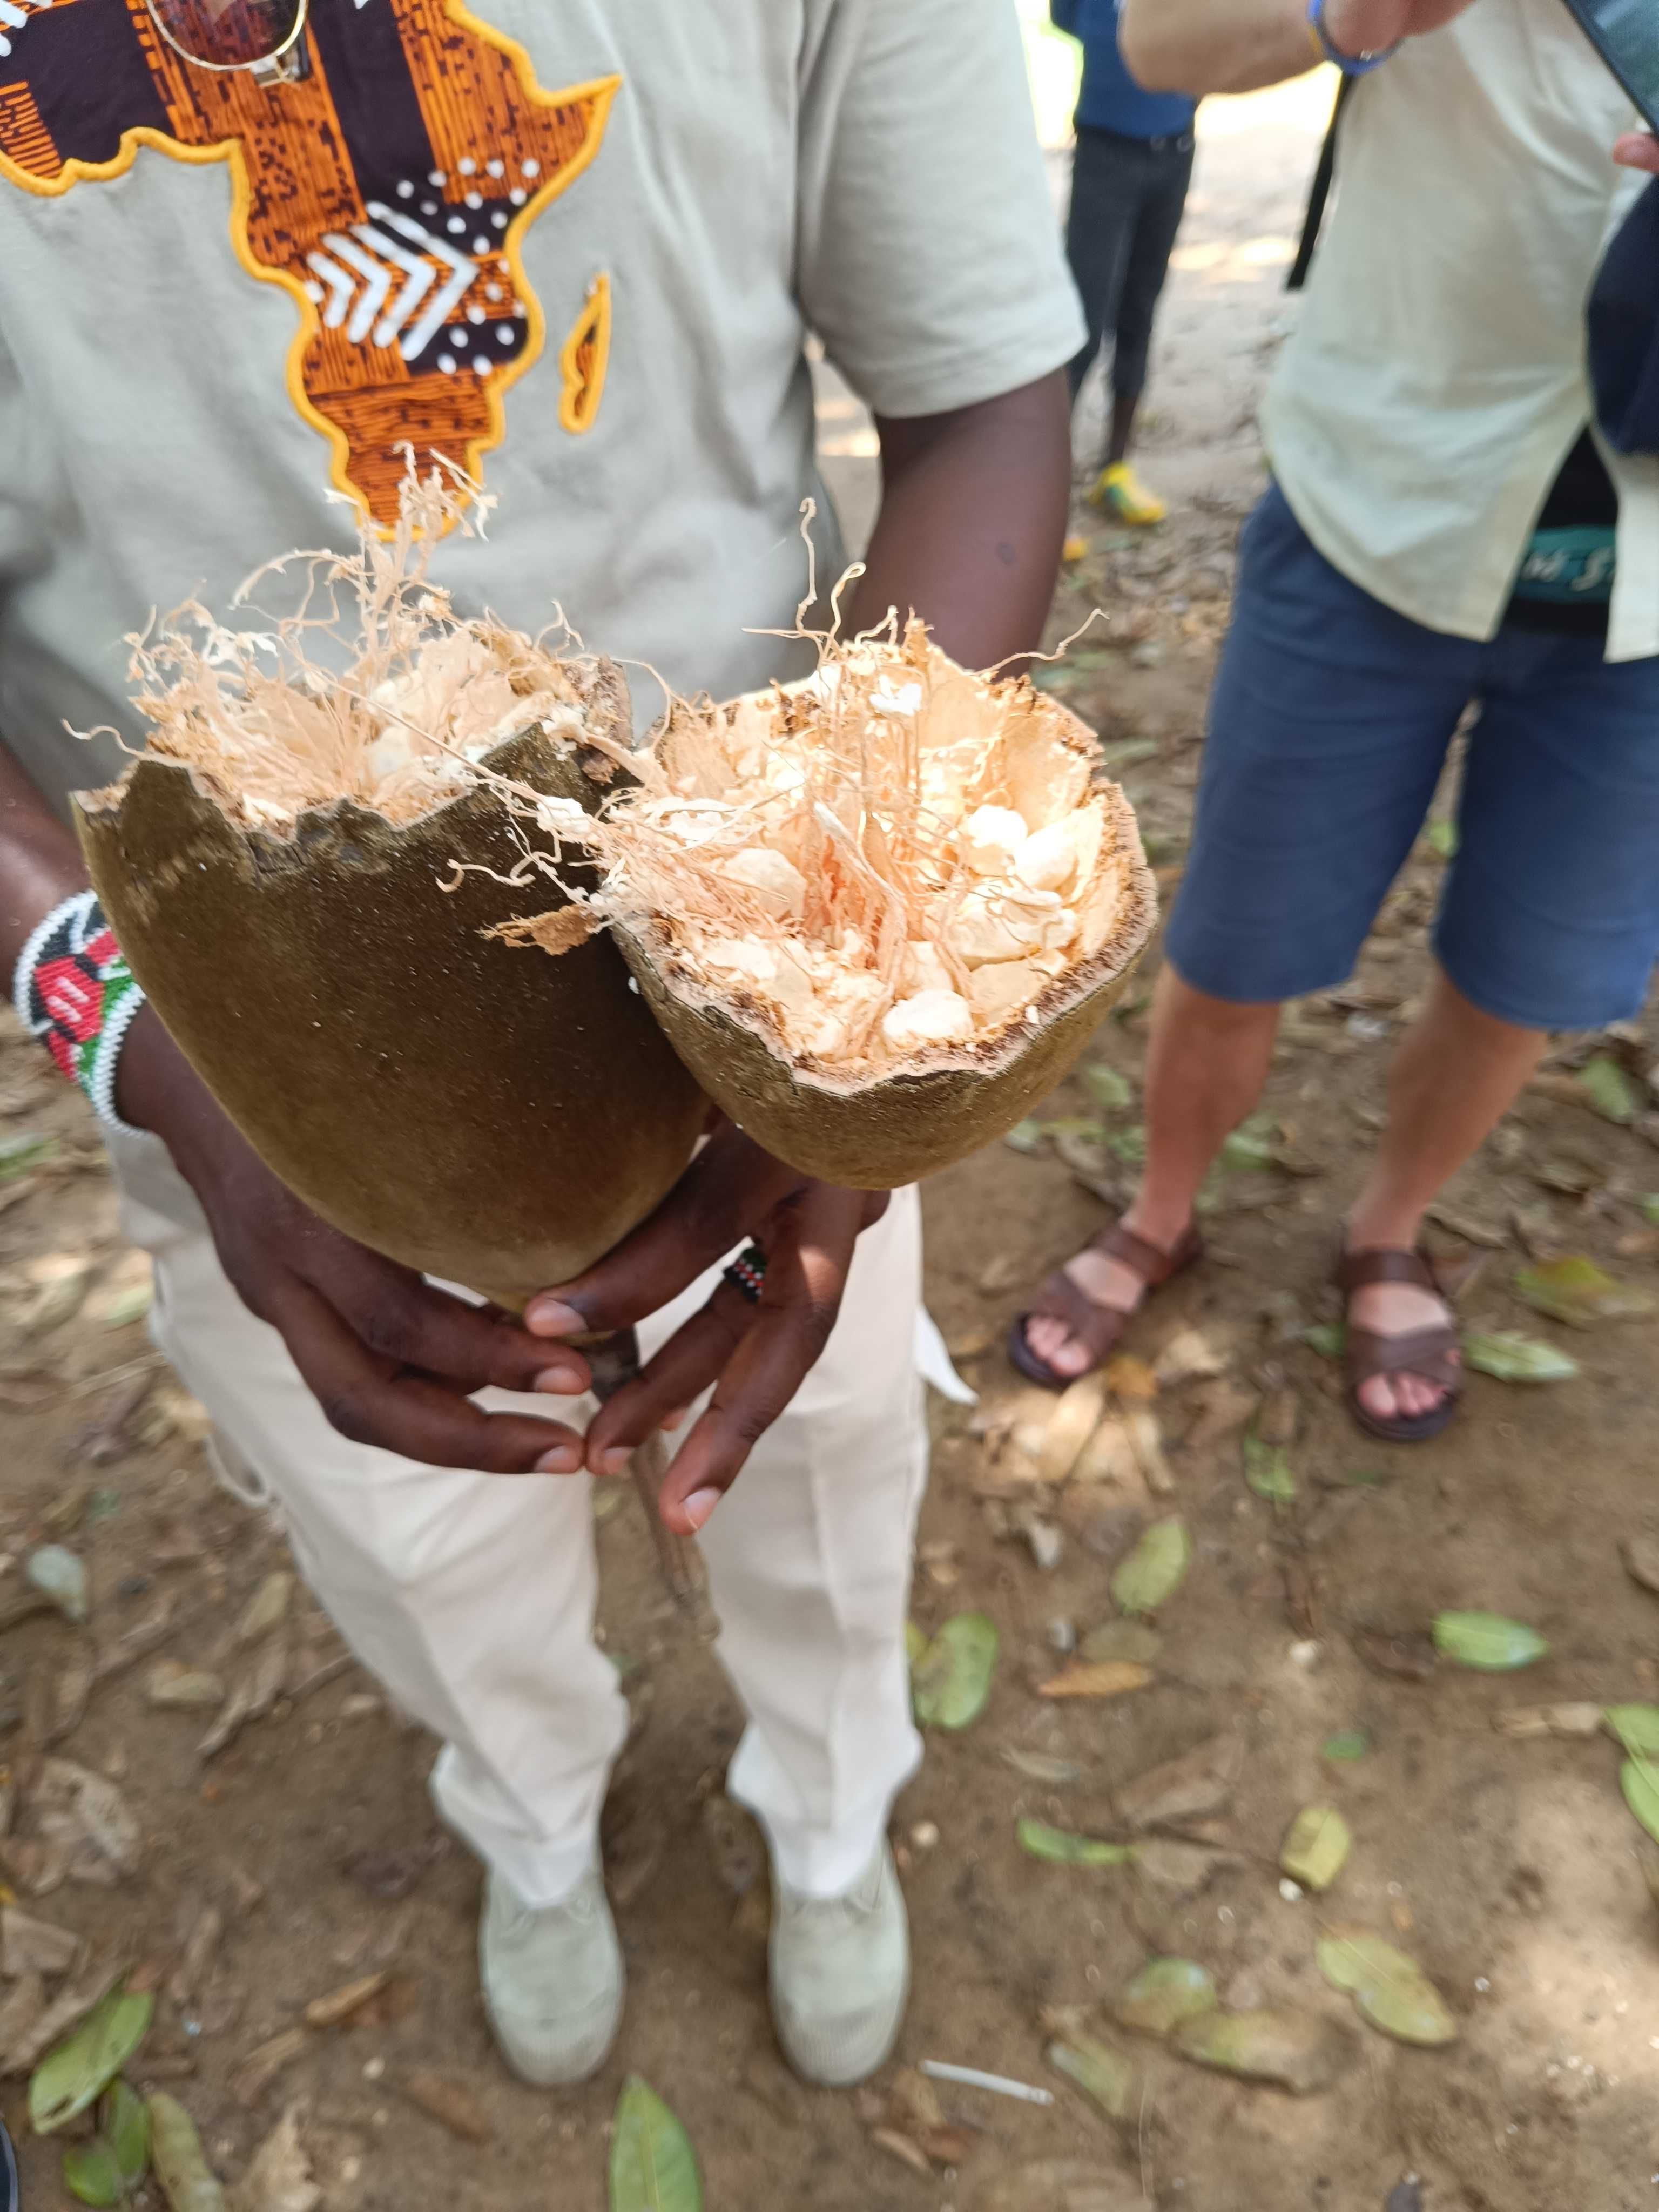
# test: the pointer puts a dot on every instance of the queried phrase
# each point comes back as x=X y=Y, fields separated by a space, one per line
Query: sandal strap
x=1357 y=1270
x=1062 y=1297
x=1154 y=1268
x=1430 y=1354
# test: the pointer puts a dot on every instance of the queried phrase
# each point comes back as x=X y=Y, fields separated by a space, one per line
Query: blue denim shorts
x=1330 y=727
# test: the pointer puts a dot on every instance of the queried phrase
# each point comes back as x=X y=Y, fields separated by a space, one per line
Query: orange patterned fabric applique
x=388 y=190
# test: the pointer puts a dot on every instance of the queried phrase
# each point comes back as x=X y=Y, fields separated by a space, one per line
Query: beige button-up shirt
x=1438 y=378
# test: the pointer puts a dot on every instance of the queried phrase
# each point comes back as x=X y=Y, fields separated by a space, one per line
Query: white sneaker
x=552 y=1980
x=841 y=1974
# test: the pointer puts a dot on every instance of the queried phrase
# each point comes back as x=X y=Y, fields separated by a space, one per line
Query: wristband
x=74 y=992
x=748 y=1272
x=1360 y=65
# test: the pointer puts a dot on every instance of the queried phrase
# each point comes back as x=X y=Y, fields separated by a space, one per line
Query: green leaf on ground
x=1637 y=1726
x=1106 y=2079
x=1391 y=1990
x=1128 y=1145
x=124 y=2119
x=91 y=2173
x=1297 y=2050
x=1514 y=1358
x=1112 y=1093
x=18 y=1155
x=653 y=2167
x=1442 y=840
x=1576 y=1291
x=1254 y=1144
x=1165 y=1992
x=188 y=2182
x=1615 y=1096
x=1061 y=1848
x=1268 y=1471
x=1347 y=1746
x=1487 y=1641
x=1639 y=1780
x=1329 y=1339
x=951 y=1681
x=1651 y=1208
x=1155 y=1569
x=77 y=2073
x=1025 y=1137
x=1316 y=1849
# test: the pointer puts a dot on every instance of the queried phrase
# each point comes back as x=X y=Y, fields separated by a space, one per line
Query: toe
x=1070 y=1358
x=1378 y=1396
x=1044 y=1336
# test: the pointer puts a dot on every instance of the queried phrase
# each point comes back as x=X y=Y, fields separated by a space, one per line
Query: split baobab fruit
x=879 y=914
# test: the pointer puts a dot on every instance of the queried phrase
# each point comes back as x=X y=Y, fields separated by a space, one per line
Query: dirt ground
x=1509 y=1867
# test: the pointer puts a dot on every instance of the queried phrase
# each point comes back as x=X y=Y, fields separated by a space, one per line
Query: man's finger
x=372 y=1401
x=691 y=1362
x=805 y=1275
x=728 y=1193
x=1640 y=150
x=408 y=1320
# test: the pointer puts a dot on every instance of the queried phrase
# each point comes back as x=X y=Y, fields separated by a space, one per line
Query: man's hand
x=1638 y=151
x=392 y=1361
x=1367 y=26
x=756 y=1358
x=1238 y=45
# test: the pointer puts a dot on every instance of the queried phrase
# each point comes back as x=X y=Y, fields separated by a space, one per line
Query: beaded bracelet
x=74 y=992
x=747 y=1272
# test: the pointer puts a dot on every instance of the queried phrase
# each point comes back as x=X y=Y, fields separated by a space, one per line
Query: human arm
x=1204 y=46
x=391 y=1359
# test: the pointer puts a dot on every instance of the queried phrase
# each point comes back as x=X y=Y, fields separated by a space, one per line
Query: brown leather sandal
x=1100 y=1326
x=1429 y=1354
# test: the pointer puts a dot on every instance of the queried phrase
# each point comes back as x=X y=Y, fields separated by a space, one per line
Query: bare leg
x=1206 y=1066
x=1457 y=1072
x=1125 y=408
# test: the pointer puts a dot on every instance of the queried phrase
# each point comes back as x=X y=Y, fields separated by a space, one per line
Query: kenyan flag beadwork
x=75 y=997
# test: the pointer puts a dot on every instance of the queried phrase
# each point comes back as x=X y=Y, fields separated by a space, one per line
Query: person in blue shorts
x=1445 y=530
x=1129 y=179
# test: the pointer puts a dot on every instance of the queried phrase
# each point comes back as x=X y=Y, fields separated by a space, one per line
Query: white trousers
x=471 y=1596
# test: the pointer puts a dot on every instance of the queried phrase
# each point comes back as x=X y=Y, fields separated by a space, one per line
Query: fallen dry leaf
x=28 y=1946
x=1199 y=1783
x=452 y=2104
x=19 y=2014
x=1107 y=1678
x=267 y=1607
x=1130 y=1381
x=1295 y=2051
x=85 y=1811
x=340 y=2005
x=1075 y=1417
x=1278 y=1423
x=1223 y=1408
x=279 y=2178
x=1146 y=1434
x=1529 y=1721
x=901 y=2147
x=264 y=2062
x=171 y=1684
x=136 y=1642
x=196 y=1960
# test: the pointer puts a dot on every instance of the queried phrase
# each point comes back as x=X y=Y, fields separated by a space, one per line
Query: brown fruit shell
x=880 y=1131
x=493 y=1121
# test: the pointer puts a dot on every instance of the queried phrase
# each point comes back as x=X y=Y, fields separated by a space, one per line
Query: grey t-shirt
x=577 y=246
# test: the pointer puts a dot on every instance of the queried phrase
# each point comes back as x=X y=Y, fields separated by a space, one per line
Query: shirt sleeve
x=929 y=254
x=1063 y=14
